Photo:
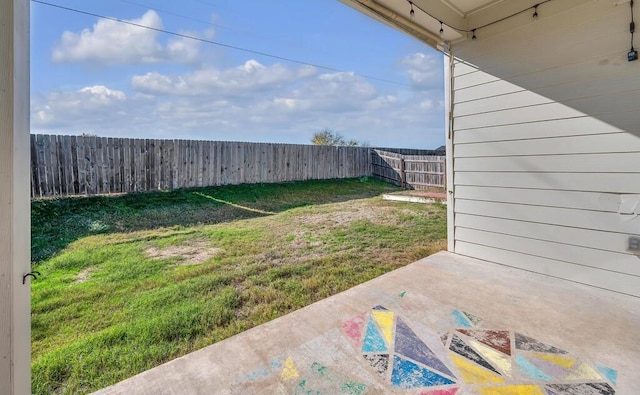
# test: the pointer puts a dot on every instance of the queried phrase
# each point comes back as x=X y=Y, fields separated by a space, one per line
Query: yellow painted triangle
x=289 y=372
x=584 y=372
x=563 y=360
x=494 y=357
x=472 y=373
x=384 y=319
x=512 y=390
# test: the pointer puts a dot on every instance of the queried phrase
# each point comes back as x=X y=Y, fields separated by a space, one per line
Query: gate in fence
x=409 y=171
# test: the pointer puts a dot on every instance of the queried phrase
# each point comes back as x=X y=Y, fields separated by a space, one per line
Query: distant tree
x=327 y=137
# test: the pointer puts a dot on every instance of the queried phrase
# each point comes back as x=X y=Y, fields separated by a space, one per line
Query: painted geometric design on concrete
x=584 y=372
x=580 y=389
x=472 y=318
x=384 y=319
x=373 y=339
x=448 y=391
x=289 y=372
x=380 y=362
x=610 y=374
x=320 y=379
x=409 y=345
x=500 y=340
x=395 y=352
x=353 y=329
x=473 y=357
x=462 y=319
x=526 y=343
x=497 y=359
x=530 y=370
x=474 y=374
x=512 y=390
x=551 y=368
x=407 y=374
x=460 y=347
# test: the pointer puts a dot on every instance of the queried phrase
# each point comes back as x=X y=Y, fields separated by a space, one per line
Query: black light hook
x=32 y=274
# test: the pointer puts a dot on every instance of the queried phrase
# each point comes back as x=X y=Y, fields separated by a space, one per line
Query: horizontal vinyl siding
x=577 y=218
x=589 y=238
x=582 y=274
x=583 y=163
x=592 y=201
x=546 y=148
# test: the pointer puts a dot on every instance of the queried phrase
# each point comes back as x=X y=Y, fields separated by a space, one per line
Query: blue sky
x=97 y=76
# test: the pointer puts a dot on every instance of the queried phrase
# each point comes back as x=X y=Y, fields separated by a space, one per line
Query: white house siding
x=546 y=146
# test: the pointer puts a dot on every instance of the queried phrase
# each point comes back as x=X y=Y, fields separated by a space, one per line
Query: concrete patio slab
x=441 y=326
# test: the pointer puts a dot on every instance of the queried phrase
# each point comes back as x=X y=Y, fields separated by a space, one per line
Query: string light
x=473 y=31
x=632 y=55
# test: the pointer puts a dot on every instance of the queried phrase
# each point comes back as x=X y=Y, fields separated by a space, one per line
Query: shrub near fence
x=79 y=165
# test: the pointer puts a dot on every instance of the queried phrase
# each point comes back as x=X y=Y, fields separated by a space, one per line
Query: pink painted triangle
x=354 y=328
x=449 y=391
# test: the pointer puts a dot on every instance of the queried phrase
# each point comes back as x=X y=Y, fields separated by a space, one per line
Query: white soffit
x=459 y=17
x=468 y=7
x=453 y=13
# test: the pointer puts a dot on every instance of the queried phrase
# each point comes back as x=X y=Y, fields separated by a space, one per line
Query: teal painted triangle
x=531 y=370
x=460 y=319
x=610 y=374
x=373 y=340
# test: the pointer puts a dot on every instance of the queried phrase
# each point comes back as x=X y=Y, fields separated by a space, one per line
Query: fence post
x=403 y=175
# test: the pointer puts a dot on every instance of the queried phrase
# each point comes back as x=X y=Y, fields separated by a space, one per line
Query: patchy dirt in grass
x=380 y=215
x=194 y=252
x=84 y=275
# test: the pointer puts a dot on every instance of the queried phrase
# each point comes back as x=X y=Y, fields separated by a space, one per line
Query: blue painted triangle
x=460 y=319
x=407 y=374
x=530 y=369
x=609 y=373
x=409 y=345
x=378 y=307
x=373 y=340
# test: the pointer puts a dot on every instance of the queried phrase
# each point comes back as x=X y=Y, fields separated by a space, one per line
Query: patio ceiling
x=457 y=18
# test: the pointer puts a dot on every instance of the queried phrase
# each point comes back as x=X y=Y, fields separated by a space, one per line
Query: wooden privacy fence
x=79 y=165
x=409 y=171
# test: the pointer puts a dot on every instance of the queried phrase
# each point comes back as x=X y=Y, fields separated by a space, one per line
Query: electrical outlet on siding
x=634 y=245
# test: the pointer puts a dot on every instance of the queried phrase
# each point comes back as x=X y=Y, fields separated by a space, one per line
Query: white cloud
x=425 y=71
x=81 y=109
x=246 y=78
x=112 y=42
x=250 y=102
x=100 y=94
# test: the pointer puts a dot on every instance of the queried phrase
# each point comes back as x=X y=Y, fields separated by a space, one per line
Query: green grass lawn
x=133 y=281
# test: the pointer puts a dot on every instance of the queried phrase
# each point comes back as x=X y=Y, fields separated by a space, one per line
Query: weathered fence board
x=80 y=165
x=409 y=171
